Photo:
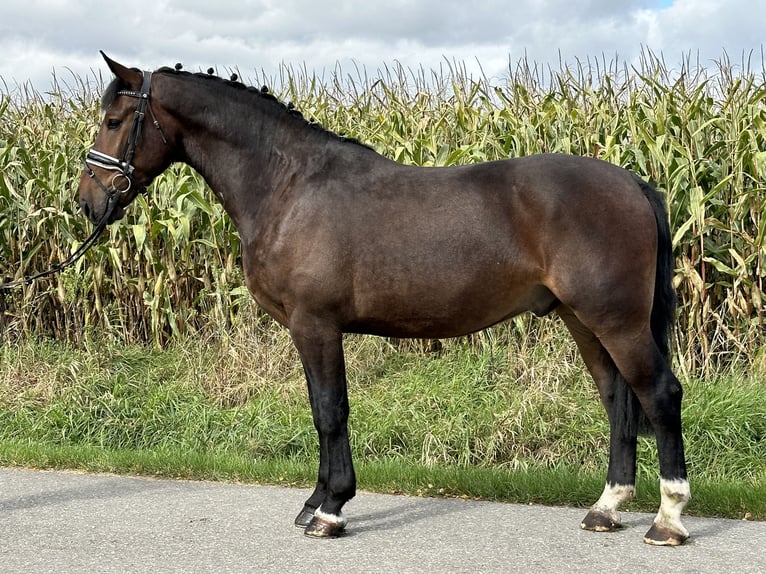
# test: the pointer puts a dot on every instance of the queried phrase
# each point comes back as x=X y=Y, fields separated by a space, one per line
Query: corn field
x=171 y=268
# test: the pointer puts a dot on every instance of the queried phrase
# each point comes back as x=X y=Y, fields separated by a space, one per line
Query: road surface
x=70 y=522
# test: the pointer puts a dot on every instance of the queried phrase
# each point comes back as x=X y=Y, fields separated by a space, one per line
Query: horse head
x=126 y=156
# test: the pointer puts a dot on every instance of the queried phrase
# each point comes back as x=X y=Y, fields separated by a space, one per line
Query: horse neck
x=246 y=146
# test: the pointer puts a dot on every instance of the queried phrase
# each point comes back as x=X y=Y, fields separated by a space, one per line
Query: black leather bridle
x=123 y=179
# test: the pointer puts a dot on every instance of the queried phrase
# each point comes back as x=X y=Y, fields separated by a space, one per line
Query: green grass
x=516 y=424
x=558 y=486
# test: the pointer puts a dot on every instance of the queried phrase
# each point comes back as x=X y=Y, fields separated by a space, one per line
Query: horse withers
x=339 y=239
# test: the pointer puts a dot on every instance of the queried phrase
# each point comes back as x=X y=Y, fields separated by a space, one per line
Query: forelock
x=110 y=94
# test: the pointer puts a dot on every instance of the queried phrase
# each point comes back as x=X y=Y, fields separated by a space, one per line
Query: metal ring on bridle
x=127 y=179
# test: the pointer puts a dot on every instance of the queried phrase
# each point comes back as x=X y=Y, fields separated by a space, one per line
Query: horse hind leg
x=648 y=372
x=626 y=422
x=667 y=529
x=623 y=412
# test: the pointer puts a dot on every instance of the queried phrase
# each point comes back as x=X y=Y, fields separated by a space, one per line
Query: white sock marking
x=338 y=520
x=611 y=498
x=674 y=496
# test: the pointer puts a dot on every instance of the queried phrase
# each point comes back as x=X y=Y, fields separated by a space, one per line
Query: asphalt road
x=68 y=522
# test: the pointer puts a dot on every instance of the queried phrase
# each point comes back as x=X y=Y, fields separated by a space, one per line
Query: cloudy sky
x=40 y=37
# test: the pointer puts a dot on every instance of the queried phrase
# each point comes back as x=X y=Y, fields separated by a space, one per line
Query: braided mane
x=111 y=92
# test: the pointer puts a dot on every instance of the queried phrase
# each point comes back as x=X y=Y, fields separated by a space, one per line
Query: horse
x=336 y=238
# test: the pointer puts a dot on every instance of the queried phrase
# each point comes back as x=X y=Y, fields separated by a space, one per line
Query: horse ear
x=131 y=76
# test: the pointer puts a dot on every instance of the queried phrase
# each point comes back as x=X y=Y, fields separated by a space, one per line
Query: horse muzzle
x=119 y=188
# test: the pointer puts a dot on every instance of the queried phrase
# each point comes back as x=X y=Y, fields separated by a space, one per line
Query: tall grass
x=419 y=424
x=172 y=268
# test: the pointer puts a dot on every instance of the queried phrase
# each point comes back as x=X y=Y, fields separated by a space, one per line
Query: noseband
x=123 y=179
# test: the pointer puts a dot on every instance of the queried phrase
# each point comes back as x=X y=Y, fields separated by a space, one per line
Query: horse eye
x=113 y=124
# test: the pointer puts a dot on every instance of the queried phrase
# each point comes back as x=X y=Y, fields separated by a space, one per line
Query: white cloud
x=38 y=36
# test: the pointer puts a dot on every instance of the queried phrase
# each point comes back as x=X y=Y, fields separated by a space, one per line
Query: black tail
x=630 y=415
x=664 y=308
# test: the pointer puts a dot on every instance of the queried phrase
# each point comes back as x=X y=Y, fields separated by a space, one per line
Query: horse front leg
x=321 y=351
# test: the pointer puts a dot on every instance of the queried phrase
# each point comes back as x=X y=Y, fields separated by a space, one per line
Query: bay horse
x=338 y=239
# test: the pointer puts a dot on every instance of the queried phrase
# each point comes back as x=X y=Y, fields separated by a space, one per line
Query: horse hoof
x=304 y=518
x=322 y=528
x=660 y=536
x=598 y=521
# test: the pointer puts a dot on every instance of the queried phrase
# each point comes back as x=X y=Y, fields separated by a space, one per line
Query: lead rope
x=58 y=267
x=69 y=261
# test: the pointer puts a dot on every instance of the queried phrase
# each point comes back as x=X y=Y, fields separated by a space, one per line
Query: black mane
x=116 y=85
